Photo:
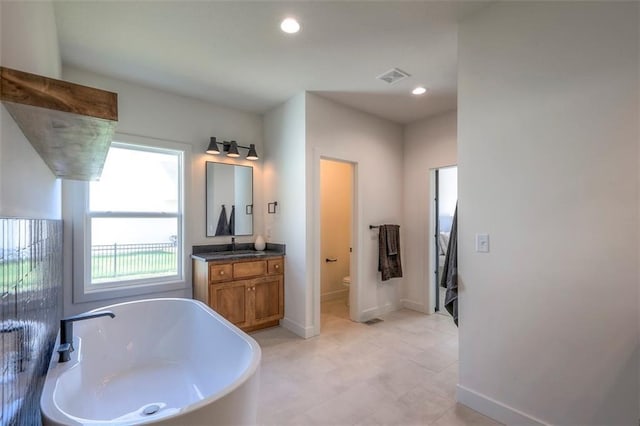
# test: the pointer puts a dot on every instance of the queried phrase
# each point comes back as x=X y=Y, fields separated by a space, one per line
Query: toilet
x=346 y=281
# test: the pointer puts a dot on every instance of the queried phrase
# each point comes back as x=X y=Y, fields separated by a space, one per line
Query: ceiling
x=233 y=53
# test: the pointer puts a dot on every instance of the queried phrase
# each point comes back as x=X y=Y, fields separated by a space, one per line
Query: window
x=131 y=224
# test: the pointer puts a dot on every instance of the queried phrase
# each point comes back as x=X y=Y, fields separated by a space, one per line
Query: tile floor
x=402 y=371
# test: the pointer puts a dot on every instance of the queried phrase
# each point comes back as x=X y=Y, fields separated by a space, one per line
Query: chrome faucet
x=233 y=243
x=66 y=332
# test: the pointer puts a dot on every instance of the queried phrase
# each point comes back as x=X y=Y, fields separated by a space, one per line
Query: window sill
x=82 y=296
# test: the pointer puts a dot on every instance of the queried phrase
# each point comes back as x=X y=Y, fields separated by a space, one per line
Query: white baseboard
x=336 y=294
x=372 y=313
x=295 y=328
x=414 y=306
x=495 y=409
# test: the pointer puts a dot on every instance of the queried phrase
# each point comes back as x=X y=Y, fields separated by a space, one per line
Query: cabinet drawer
x=275 y=266
x=249 y=269
x=220 y=272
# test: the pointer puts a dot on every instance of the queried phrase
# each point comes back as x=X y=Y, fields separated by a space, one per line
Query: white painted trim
x=356 y=265
x=414 y=306
x=372 y=313
x=495 y=409
x=79 y=206
x=298 y=329
x=356 y=240
x=431 y=303
x=316 y=286
x=431 y=291
x=335 y=294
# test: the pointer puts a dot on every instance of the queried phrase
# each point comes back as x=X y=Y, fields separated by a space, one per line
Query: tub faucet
x=66 y=332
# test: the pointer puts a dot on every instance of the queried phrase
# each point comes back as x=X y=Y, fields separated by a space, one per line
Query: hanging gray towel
x=450 y=271
x=393 y=234
x=223 y=225
x=389 y=265
x=232 y=221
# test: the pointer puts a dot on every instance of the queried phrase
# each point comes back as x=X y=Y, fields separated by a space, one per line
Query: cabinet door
x=267 y=299
x=230 y=301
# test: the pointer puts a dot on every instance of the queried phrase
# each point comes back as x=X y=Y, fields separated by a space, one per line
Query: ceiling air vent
x=393 y=75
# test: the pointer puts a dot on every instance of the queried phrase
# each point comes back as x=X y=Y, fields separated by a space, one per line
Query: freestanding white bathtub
x=174 y=358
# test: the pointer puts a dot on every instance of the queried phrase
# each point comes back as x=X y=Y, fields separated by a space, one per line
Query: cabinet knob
x=277 y=266
x=221 y=272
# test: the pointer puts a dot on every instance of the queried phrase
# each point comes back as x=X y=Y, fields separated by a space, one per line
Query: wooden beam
x=69 y=125
x=29 y=89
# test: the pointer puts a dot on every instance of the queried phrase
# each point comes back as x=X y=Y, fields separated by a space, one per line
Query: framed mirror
x=229 y=199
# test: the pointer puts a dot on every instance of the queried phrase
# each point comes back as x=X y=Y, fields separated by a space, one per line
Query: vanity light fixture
x=231 y=148
x=213 y=147
x=290 y=26
x=252 y=154
x=419 y=90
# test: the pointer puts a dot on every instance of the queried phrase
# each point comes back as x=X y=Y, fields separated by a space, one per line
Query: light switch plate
x=482 y=243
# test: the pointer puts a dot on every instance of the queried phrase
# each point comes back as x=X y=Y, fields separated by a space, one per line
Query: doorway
x=336 y=233
x=444 y=193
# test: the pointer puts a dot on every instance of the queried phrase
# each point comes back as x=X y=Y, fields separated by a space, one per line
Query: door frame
x=356 y=236
x=435 y=257
x=433 y=285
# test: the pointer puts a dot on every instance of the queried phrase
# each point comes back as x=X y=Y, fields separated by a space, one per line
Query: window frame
x=83 y=289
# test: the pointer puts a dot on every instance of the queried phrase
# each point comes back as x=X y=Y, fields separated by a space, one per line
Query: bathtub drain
x=151 y=409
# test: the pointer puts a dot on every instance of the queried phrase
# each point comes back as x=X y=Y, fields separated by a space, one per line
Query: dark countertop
x=242 y=251
x=237 y=255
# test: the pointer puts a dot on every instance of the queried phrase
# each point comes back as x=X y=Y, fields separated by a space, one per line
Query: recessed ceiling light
x=419 y=90
x=290 y=26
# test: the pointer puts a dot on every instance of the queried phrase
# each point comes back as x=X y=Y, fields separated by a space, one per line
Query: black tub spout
x=66 y=331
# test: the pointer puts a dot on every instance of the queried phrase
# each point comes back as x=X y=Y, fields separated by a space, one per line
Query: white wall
x=29 y=42
x=375 y=146
x=428 y=144
x=285 y=182
x=297 y=134
x=153 y=113
x=29 y=37
x=548 y=166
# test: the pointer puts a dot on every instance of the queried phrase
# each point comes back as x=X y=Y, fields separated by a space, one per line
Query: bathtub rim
x=50 y=410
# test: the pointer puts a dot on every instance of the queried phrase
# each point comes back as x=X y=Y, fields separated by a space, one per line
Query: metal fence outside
x=133 y=260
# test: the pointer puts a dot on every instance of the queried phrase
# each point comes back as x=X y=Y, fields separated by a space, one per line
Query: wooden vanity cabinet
x=248 y=293
x=230 y=301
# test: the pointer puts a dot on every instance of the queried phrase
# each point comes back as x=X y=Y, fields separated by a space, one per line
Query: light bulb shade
x=252 y=155
x=233 y=150
x=213 y=147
